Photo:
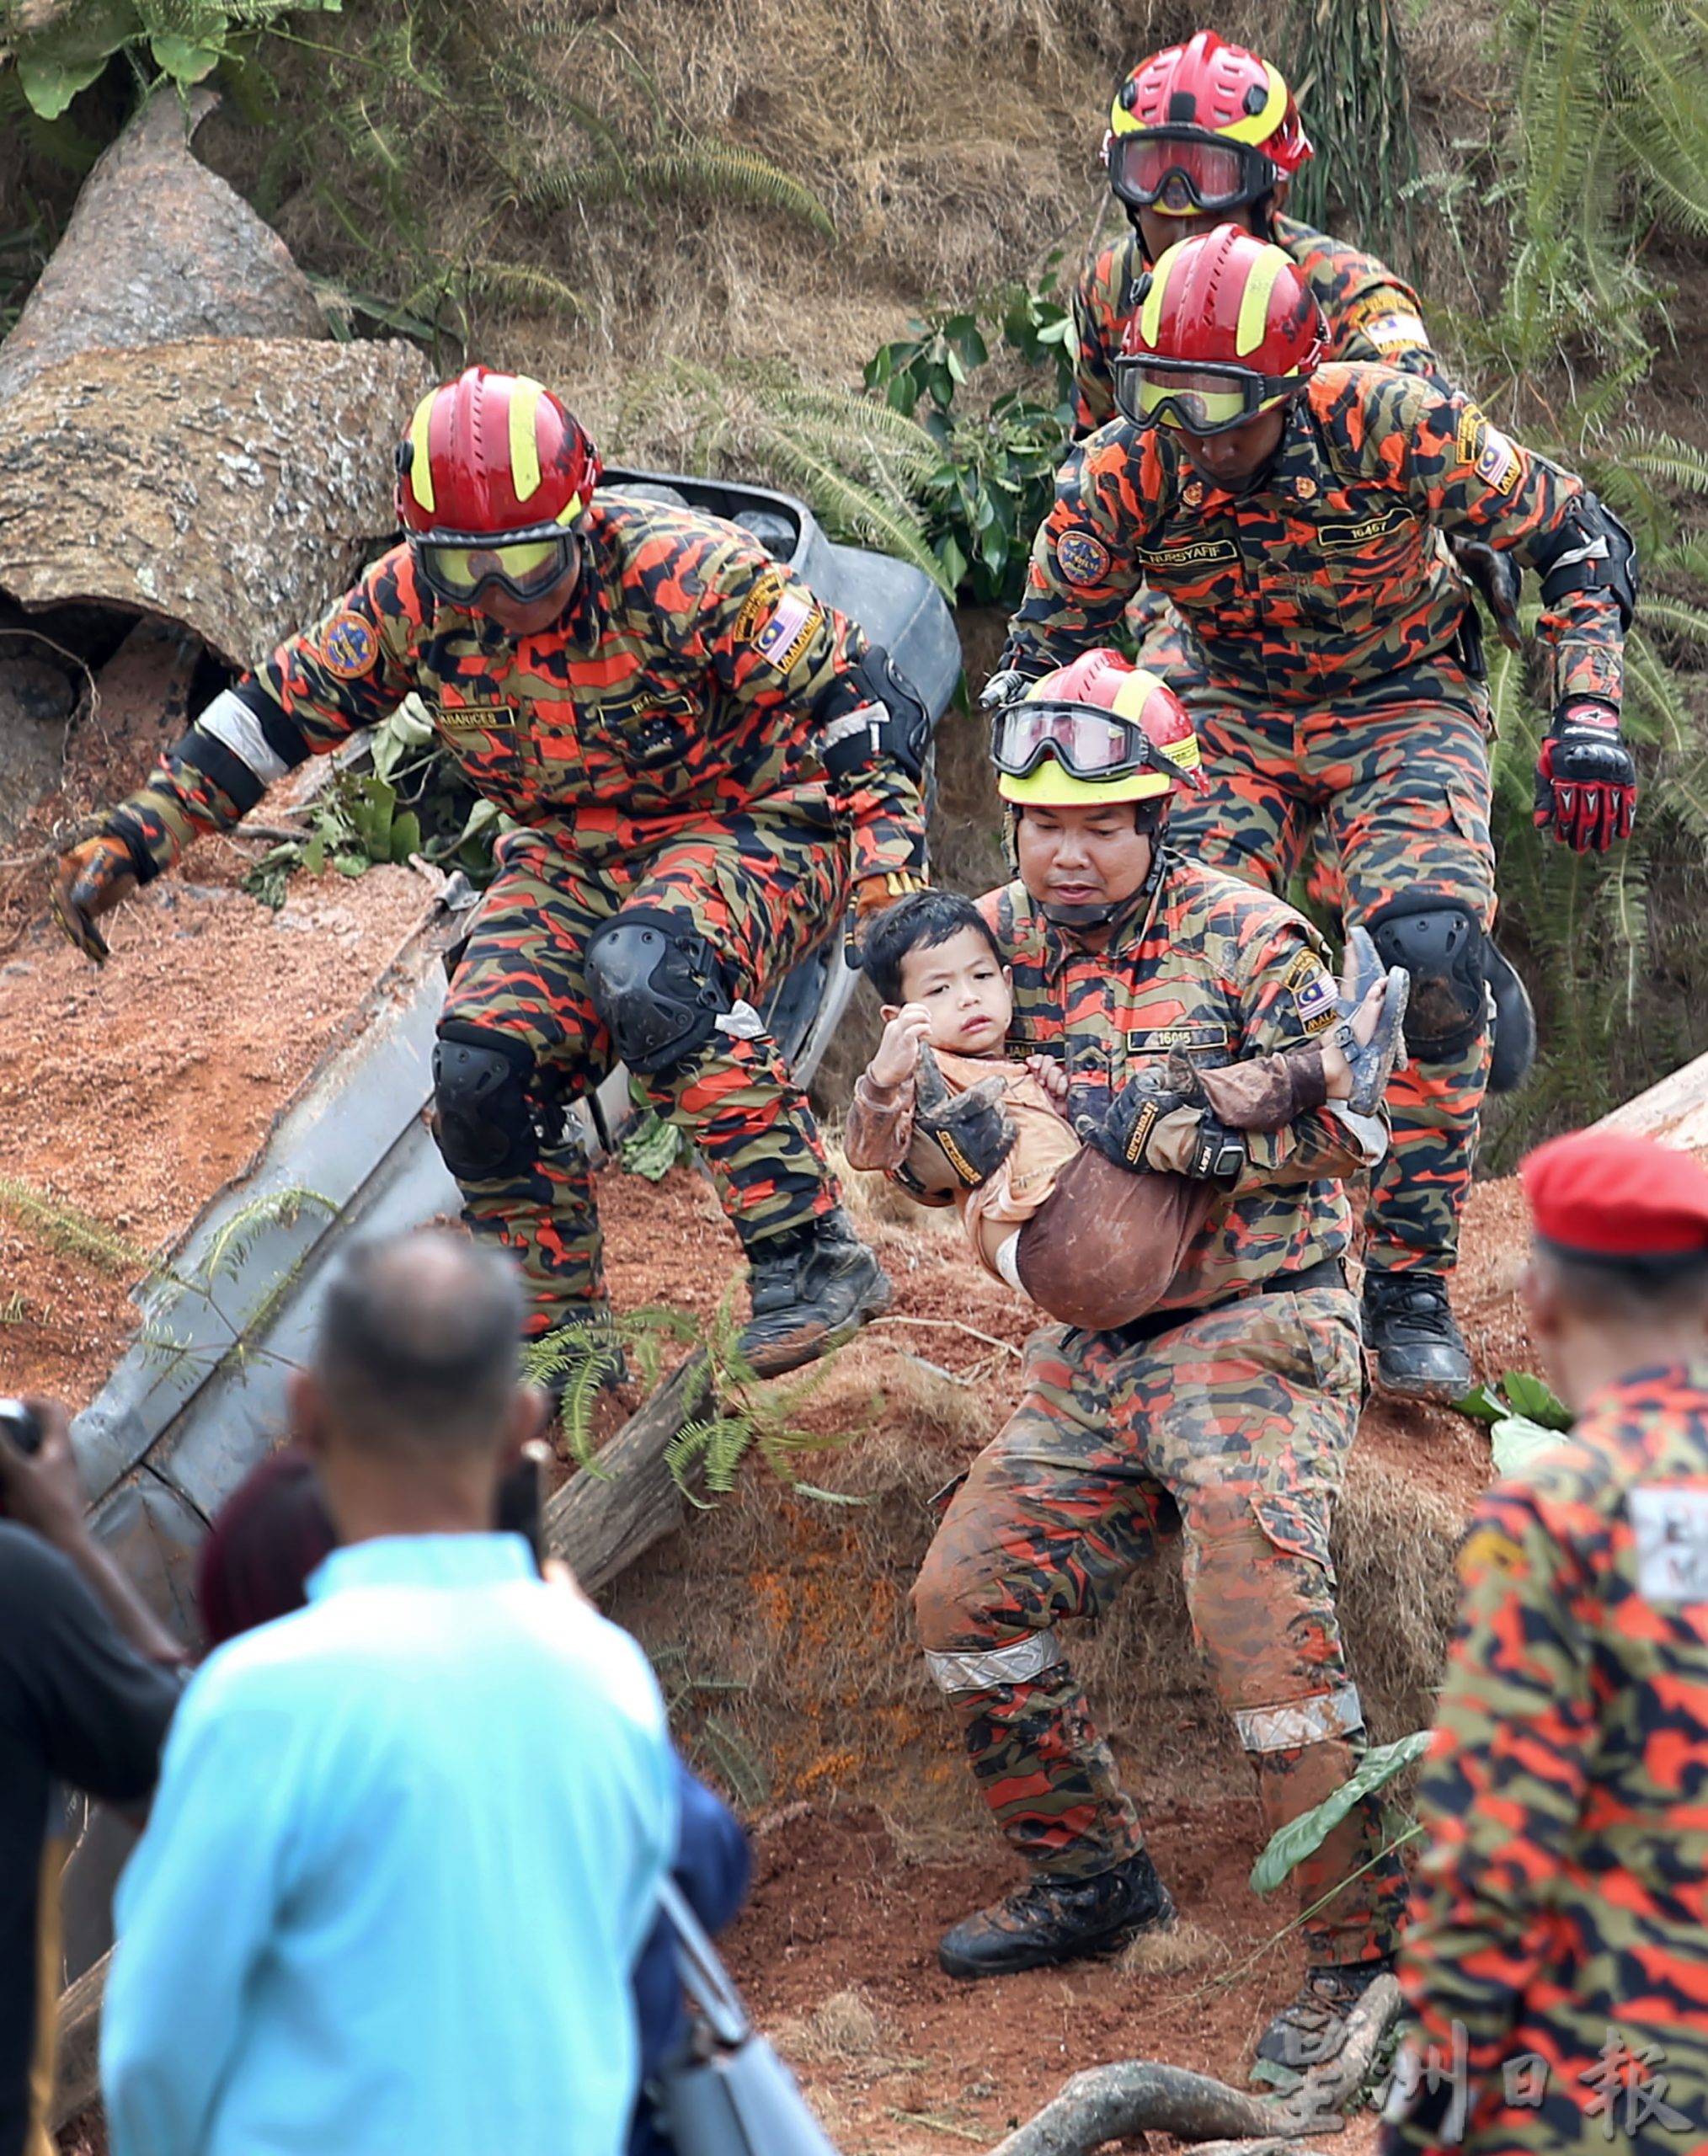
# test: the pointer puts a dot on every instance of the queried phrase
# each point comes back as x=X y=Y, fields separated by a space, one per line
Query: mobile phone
x=20 y=1426
x=522 y=1498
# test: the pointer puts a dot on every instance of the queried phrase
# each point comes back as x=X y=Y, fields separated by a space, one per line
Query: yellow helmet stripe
x=525 y=447
x=420 y=463
x=571 y=509
x=1150 y=307
x=1254 y=300
x=1259 y=126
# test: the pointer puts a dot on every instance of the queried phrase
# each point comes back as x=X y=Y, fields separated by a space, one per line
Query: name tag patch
x=467 y=719
x=1671 y=1525
x=1196 y=554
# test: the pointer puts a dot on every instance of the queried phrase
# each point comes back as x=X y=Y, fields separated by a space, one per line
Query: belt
x=1327 y=1272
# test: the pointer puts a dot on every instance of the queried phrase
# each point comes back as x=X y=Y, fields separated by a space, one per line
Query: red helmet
x=1100 y=729
x=492 y=476
x=1203 y=125
x=1227 y=327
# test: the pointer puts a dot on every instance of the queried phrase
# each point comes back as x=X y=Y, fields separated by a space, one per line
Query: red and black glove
x=1586 y=779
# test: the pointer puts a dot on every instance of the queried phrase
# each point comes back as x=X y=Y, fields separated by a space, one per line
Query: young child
x=947 y=1000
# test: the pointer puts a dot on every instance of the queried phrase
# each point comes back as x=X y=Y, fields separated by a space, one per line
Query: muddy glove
x=1374 y=1059
x=1586 y=779
x=1497 y=577
x=1148 y=1127
x=971 y=1130
x=91 y=880
x=874 y=895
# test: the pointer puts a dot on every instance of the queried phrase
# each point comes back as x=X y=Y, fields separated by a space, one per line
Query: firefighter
x=1235 y=1400
x=1556 y=1958
x=704 y=763
x=1293 y=512
x=1206 y=134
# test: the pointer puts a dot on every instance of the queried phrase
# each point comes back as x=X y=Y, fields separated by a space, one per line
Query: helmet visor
x=1199 y=400
x=1181 y=174
x=525 y=568
x=1089 y=744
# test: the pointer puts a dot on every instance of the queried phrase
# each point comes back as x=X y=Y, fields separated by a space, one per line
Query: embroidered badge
x=1157 y=1040
x=767 y=588
x=1385 y=331
x=1316 y=1000
x=1082 y=558
x=1497 y=465
x=1671 y=1525
x=789 y=631
x=349 y=646
x=1472 y=427
x=1366 y=529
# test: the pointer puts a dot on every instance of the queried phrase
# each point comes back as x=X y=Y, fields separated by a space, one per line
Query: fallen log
x=602 y=1518
x=1111 y=2103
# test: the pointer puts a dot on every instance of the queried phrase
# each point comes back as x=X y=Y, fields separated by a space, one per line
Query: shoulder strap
x=702 y=1974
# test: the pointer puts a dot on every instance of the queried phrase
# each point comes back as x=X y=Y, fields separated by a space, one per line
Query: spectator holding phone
x=408 y=1839
x=86 y=1693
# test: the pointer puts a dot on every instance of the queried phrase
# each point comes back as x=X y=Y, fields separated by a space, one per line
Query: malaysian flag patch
x=790 y=630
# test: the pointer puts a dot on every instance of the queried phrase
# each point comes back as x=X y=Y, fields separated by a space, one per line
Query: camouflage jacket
x=1330 y=579
x=1209 y=966
x=1562 y=1894
x=691 y=676
x=1371 y=313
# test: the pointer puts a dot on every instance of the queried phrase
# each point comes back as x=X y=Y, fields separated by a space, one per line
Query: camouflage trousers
x=764 y=887
x=1239 y=1421
x=1402 y=793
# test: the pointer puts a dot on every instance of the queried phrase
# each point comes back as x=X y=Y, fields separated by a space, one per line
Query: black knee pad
x=1441 y=945
x=659 y=987
x=483 y=1116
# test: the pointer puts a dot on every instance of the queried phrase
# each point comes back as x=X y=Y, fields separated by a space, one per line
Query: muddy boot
x=811 y=1287
x=1410 y=1328
x=1052 y=1920
x=1311 y=2028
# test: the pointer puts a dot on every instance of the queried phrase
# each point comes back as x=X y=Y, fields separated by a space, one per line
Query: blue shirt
x=407 y=1844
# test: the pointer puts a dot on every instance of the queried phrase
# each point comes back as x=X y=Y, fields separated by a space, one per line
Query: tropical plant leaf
x=1517 y=1443
x=1288 y=1846
x=1532 y=1397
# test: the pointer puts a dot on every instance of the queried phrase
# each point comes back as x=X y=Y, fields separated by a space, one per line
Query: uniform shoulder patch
x=767 y=588
x=1486 y=451
x=795 y=620
x=1315 y=996
x=1489 y=1549
x=349 y=645
x=1082 y=558
x=1394 y=330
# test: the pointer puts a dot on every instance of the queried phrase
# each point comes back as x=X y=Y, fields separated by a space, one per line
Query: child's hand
x=898 y=1052
x=1052 y=1078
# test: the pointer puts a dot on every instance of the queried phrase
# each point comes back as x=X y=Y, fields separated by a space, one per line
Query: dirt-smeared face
x=1089 y=856
x=965 y=988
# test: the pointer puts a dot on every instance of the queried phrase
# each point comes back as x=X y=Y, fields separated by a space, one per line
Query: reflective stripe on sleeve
x=1301 y=1721
x=1016 y=1663
x=230 y=722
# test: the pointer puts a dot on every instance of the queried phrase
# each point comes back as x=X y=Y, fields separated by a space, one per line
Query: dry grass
x=843 y=2031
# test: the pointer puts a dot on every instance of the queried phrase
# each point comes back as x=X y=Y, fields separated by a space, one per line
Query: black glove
x=969 y=1130
x=1124 y=1132
x=1586 y=780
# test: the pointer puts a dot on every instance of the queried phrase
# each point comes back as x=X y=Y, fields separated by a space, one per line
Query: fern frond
x=1653 y=697
x=717 y=172
x=519 y=281
x=1666 y=457
x=280 y=1209
x=70 y=1230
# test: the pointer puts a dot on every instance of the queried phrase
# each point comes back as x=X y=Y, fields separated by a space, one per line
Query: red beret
x=1604 y=1194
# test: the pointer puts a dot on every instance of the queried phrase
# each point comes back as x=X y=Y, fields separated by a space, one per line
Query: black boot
x=811 y=1287
x=1410 y=1328
x=1053 y=1920
x=1311 y=2028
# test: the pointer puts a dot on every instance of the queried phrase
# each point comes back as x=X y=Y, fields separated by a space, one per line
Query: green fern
x=280 y=1208
x=70 y=1231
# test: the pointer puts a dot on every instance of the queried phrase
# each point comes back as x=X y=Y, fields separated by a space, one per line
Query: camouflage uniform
x=1328 y=630
x=1237 y=1407
x=1371 y=313
x=1562 y=1902
x=658 y=747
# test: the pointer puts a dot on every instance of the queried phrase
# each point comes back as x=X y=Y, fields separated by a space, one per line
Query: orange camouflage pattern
x=1372 y=314
x=1239 y=1415
x=1561 y=1900
x=657 y=744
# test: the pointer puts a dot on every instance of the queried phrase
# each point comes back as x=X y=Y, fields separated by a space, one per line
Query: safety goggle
x=1088 y=743
x=524 y=567
x=1181 y=173
x=1200 y=400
